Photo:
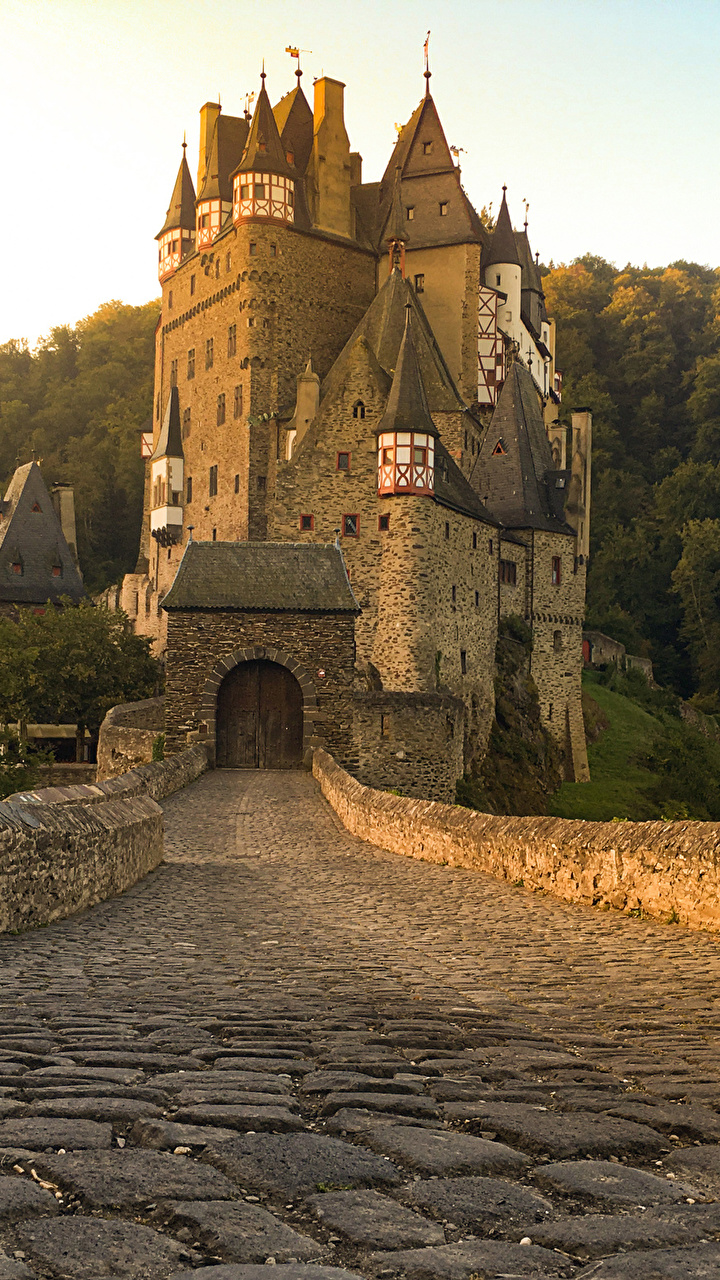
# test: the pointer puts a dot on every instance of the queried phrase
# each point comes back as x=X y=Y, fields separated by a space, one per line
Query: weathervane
x=527 y=209
x=427 y=73
x=295 y=52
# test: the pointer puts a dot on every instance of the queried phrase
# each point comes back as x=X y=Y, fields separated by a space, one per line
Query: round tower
x=406 y=433
x=503 y=272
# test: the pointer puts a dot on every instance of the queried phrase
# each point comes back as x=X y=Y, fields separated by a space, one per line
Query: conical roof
x=264 y=151
x=181 y=210
x=503 y=248
x=31 y=536
x=407 y=407
x=226 y=147
x=530 y=272
x=169 y=444
x=515 y=471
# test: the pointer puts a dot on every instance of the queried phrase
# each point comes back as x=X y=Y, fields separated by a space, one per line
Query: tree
x=696 y=579
x=70 y=665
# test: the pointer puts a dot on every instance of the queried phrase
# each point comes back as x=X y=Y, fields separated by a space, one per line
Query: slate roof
x=453 y=490
x=294 y=119
x=383 y=326
x=31 y=535
x=503 y=247
x=519 y=484
x=226 y=148
x=264 y=151
x=407 y=407
x=267 y=577
x=181 y=210
x=169 y=443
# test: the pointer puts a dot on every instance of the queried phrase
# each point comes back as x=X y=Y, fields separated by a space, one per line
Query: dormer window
x=410 y=213
x=17 y=567
x=427 y=148
x=444 y=206
x=358 y=409
x=57 y=571
x=290 y=157
x=262 y=146
x=36 y=507
x=499 y=451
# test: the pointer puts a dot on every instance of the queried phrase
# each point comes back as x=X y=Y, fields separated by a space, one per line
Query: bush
x=158 y=747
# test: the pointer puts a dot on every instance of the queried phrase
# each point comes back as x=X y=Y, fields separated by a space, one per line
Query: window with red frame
x=307 y=523
x=556 y=571
x=342 y=462
x=351 y=526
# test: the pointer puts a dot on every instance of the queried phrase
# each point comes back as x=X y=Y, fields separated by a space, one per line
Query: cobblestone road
x=287 y=1047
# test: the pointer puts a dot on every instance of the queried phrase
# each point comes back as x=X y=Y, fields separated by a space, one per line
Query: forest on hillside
x=78 y=403
x=639 y=346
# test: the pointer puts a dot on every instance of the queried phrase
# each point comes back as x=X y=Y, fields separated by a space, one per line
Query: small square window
x=262 y=484
x=253 y=247
x=259 y=190
x=244 y=191
x=307 y=523
x=56 y=570
x=343 y=462
x=410 y=213
x=444 y=206
x=273 y=251
x=498 y=280
x=387 y=457
x=383 y=523
x=427 y=148
x=420 y=284
x=351 y=526
x=556 y=571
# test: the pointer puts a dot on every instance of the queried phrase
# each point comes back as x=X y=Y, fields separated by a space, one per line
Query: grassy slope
x=616 y=786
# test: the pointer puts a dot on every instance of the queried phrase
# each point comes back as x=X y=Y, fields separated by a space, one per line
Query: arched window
x=358 y=409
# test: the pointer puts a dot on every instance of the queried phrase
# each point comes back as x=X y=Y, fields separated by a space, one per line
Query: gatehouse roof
x=264 y=577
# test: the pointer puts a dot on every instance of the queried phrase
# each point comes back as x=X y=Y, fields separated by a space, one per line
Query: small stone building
x=38 y=559
x=261 y=652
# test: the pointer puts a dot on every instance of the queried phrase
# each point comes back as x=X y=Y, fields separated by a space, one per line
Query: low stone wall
x=65 y=773
x=668 y=870
x=65 y=848
x=127 y=736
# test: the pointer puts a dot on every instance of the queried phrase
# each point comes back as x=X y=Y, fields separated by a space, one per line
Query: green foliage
x=79 y=401
x=158 y=747
x=20 y=764
x=71 y=665
x=647 y=763
x=641 y=346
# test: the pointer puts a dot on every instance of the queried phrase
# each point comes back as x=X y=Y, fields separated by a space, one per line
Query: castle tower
x=406 y=433
x=177 y=235
x=227 y=137
x=503 y=271
x=264 y=181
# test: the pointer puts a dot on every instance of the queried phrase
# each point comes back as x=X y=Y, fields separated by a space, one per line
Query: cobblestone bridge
x=289 y=1047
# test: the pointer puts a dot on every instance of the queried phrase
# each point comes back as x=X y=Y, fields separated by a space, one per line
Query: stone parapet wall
x=668 y=870
x=127 y=736
x=64 y=848
x=409 y=741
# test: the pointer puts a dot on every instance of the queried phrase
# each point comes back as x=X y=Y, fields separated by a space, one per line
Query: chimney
x=63 y=500
x=355 y=169
x=330 y=164
x=208 y=115
x=307 y=404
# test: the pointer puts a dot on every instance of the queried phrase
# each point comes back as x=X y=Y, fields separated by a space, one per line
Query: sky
x=603 y=114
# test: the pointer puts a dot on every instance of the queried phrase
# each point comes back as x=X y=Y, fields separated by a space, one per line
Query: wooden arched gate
x=259 y=718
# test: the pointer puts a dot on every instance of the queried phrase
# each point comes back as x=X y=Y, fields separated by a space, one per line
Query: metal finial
x=184 y=140
x=427 y=72
x=504 y=189
x=527 y=208
x=262 y=73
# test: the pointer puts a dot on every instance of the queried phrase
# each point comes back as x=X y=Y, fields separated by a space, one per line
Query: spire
x=264 y=151
x=407 y=407
x=503 y=248
x=181 y=211
x=427 y=72
x=396 y=222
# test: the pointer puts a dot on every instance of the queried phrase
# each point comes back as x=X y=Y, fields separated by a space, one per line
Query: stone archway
x=208 y=709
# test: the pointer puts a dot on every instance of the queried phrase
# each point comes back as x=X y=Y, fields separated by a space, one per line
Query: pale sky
x=604 y=114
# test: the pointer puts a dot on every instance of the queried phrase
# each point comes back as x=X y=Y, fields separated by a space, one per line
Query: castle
x=356 y=467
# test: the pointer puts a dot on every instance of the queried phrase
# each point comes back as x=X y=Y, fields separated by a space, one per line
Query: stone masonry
x=288 y=1047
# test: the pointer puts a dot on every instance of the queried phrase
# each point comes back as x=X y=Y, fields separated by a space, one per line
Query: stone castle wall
x=64 y=848
x=411 y=742
x=127 y=736
x=667 y=870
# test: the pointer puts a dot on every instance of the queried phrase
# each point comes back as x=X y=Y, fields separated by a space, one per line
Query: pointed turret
x=264 y=180
x=166 y=477
x=225 y=147
x=533 y=300
x=175 y=237
x=503 y=248
x=406 y=432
